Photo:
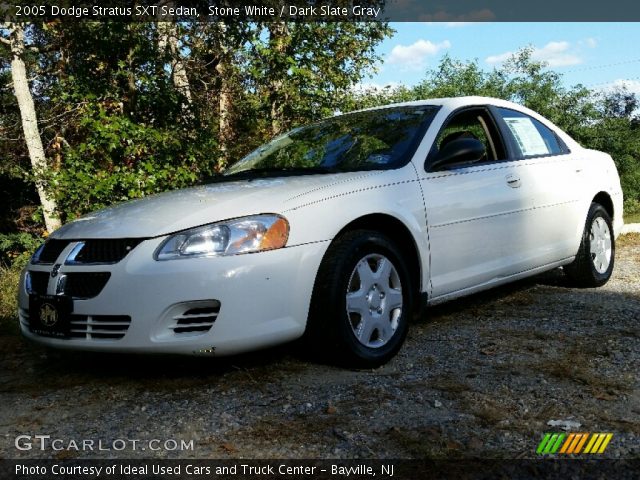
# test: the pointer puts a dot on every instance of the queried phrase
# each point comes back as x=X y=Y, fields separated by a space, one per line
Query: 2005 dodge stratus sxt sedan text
x=334 y=232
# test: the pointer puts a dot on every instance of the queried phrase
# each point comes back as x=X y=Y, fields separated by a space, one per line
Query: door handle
x=513 y=180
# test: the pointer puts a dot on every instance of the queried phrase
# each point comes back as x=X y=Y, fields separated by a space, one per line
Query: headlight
x=241 y=235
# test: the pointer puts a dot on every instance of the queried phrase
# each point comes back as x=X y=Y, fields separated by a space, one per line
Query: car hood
x=177 y=210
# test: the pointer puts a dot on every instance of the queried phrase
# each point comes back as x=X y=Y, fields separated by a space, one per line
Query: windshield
x=370 y=140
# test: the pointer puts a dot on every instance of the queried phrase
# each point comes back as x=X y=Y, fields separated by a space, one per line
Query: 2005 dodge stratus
x=334 y=232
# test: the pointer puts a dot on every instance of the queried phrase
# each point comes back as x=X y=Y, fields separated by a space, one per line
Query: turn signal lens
x=276 y=236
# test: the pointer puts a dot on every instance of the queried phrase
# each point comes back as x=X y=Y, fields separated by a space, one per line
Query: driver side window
x=472 y=123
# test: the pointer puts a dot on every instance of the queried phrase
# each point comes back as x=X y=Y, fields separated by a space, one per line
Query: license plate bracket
x=50 y=315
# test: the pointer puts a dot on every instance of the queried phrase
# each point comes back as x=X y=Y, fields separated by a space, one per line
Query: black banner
x=547 y=468
x=325 y=10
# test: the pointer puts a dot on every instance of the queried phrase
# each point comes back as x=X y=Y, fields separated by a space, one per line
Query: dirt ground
x=480 y=376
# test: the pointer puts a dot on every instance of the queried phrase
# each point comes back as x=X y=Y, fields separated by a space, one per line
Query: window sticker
x=527 y=135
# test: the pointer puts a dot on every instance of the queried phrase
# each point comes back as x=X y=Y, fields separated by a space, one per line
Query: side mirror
x=459 y=152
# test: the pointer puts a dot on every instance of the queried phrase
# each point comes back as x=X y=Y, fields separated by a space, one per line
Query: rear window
x=532 y=138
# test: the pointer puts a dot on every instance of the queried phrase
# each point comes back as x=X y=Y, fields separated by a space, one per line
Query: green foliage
x=16 y=248
x=617 y=132
x=117 y=123
x=9 y=278
x=15 y=251
x=119 y=159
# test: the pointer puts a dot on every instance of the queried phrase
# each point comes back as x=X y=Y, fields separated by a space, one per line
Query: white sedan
x=335 y=232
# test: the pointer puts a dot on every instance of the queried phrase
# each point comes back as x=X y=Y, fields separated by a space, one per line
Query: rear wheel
x=362 y=301
x=593 y=265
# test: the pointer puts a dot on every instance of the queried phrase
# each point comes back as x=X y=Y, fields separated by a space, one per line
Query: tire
x=593 y=264
x=361 y=303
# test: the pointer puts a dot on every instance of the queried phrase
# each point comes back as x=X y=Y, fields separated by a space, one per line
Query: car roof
x=455 y=102
x=452 y=103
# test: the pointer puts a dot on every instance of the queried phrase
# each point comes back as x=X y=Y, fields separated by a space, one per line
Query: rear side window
x=531 y=137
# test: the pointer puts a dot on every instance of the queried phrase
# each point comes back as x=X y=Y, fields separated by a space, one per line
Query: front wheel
x=593 y=265
x=362 y=301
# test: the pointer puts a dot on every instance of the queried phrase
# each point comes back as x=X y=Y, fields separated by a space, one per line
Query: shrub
x=17 y=247
x=9 y=278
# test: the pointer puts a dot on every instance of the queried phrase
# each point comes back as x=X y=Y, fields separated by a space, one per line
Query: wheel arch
x=604 y=199
x=399 y=233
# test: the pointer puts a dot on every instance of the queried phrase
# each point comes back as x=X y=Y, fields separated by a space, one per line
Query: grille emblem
x=55 y=270
x=48 y=315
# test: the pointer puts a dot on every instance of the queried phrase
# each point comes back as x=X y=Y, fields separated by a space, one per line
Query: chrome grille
x=85 y=284
x=103 y=250
x=37 y=282
x=196 y=320
x=87 y=252
x=75 y=284
x=91 y=327
x=99 y=327
x=51 y=251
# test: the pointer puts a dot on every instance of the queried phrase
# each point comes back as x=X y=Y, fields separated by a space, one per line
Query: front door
x=474 y=212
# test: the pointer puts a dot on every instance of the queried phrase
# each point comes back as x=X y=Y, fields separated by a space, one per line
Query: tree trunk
x=224 y=105
x=132 y=89
x=278 y=42
x=223 y=69
x=168 y=37
x=30 y=125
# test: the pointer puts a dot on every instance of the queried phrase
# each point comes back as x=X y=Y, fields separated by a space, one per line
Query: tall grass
x=9 y=278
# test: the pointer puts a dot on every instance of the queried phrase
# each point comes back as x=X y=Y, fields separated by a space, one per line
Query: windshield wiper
x=270 y=172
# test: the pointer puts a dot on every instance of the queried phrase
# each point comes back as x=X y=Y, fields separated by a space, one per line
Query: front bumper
x=263 y=300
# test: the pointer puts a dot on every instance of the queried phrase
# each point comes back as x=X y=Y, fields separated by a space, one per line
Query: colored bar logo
x=573 y=443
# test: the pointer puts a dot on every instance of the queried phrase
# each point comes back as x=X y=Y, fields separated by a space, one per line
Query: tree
x=215 y=59
x=15 y=39
x=168 y=36
x=297 y=78
x=130 y=109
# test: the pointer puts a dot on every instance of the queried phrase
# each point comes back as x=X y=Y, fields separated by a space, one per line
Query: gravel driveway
x=481 y=375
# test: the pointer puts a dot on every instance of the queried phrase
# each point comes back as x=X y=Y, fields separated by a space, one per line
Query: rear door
x=551 y=180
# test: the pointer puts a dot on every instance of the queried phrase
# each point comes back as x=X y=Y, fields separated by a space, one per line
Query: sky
x=597 y=55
